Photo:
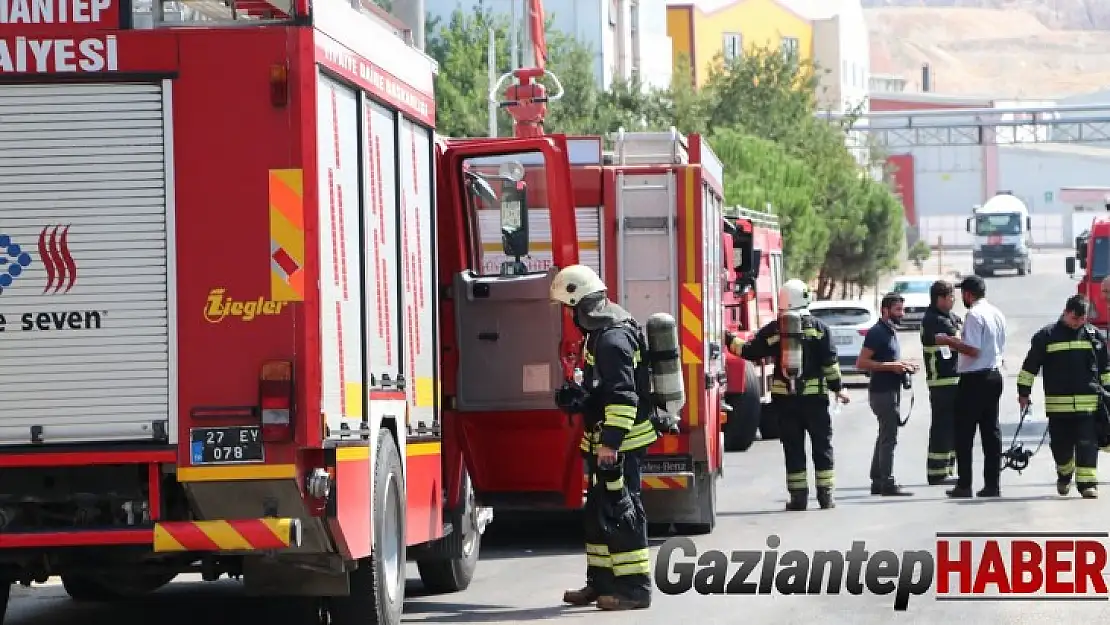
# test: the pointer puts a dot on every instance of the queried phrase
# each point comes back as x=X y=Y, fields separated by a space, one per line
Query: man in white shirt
x=980 y=348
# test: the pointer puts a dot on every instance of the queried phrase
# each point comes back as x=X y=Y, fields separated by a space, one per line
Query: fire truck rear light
x=276 y=400
x=279 y=85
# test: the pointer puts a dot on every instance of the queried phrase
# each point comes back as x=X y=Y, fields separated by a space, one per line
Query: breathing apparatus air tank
x=791 y=336
x=663 y=357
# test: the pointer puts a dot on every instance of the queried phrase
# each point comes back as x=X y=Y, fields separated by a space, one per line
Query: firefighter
x=942 y=379
x=618 y=431
x=801 y=403
x=1072 y=355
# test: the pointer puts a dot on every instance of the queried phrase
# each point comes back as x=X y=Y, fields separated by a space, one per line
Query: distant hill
x=1061 y=14
x=1026 y=49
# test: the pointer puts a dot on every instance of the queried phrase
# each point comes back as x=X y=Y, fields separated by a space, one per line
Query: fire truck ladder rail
x=643 y=147
x=647 y=225
x=763 y=219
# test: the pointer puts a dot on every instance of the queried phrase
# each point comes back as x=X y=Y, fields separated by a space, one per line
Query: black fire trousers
x=800 y=415
x=618 y=561
x=1072 y=438
x=977 y=397
x=941 y=462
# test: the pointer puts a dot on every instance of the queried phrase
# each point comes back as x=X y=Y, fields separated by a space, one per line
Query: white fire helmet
x=574 y=283
x=794 y=295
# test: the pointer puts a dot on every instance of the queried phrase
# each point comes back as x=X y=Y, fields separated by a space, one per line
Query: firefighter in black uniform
x=801 y=404
x=942 y=378
x=1072 y=355
x=618 y=431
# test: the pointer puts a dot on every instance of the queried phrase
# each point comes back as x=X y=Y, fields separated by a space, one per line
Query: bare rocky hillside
x=998 y=48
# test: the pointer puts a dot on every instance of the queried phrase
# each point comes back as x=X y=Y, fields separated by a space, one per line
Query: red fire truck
x=1092 y=250
x=753 y=250
x=648 y=217
x=237 y=329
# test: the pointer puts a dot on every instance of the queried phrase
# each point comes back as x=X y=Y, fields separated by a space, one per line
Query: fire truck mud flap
x=678 y=491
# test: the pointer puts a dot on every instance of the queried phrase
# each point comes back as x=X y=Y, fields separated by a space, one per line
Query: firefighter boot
x=825 y=498
x=1063 y=485
x=614 y=603
x=582 y=596
x=1088 y=491
x=799 y=499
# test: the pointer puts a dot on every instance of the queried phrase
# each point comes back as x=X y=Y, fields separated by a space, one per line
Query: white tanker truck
x=1001 y=238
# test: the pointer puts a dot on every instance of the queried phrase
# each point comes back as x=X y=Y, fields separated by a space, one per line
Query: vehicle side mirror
x=1069 y=265
x=514 y=219
x=1028 y=223
x=967 y=225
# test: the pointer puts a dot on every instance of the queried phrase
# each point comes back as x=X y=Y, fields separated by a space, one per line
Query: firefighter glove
x=571 y=398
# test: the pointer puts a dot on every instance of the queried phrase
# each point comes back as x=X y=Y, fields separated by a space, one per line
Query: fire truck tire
x=449 y=574
x=744 y=419
x=113 y=588
x=5 y=594
x=377 y=586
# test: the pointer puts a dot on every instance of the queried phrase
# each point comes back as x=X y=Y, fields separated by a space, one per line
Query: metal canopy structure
x=983 y=126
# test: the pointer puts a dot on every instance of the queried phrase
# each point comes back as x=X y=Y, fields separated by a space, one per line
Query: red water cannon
x=526 y=99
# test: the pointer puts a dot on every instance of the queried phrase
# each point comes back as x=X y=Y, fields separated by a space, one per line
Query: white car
x=915 y=291
x=849 y=321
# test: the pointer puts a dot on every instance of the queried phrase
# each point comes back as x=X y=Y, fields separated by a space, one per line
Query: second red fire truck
x=753 y=250
x=1092 y=251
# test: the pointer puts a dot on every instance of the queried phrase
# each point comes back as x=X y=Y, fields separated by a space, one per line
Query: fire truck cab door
x=513 y=343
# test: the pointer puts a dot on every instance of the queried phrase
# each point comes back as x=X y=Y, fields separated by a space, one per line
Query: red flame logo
x=54 y=252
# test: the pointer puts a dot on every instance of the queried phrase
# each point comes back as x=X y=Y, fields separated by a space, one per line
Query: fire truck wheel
x=452 y=574
x=5 y=593
x=743 y=421
x=113 y=587
x=378 y=584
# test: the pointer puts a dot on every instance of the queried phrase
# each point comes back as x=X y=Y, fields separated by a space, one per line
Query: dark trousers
x=798 y=416
x=941 y=462
x=977 y=397
x=1074 y=447
x=887 y=406
x=618 y=561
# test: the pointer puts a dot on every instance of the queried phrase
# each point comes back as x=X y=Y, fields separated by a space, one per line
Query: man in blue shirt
x=881 y=356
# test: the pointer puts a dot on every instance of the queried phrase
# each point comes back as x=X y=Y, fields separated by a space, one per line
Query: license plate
x=667 y=464
x=233 y=445
x=842 y=339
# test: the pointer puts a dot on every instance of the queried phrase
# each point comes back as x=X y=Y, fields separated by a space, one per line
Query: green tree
x=919 y=254
x=761 y=173
x=768 y=95
x=460 y=46
x=682 y=105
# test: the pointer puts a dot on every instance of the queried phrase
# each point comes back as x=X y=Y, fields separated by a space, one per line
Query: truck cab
x=1001 y=237
x=1092 y=254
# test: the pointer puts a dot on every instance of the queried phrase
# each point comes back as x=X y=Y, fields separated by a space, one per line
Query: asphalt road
x=526 y=566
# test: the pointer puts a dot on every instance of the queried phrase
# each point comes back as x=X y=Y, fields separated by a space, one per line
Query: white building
x=627 y=37
x=841 y=45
